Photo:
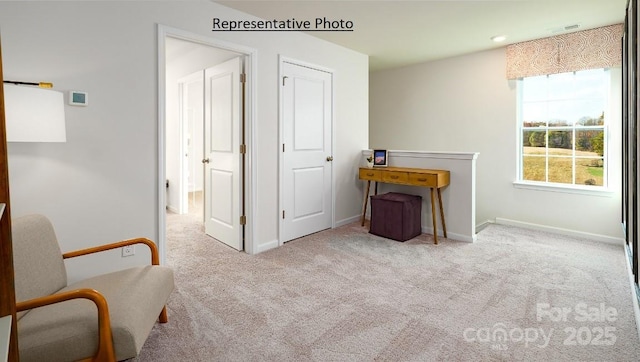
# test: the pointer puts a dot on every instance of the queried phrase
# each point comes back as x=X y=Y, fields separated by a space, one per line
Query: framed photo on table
x=380 y=158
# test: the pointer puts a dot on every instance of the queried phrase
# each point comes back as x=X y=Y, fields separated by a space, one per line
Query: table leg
x=433 y=216
x=364 y=202
x=444 y=224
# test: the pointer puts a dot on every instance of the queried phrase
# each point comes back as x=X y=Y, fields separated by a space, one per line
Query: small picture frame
x=77 y=98
x=380 y=158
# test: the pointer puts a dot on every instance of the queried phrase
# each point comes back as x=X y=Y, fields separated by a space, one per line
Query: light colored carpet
x=347 y=295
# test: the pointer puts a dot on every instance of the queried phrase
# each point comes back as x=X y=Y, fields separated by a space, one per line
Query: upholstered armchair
x=103 y=318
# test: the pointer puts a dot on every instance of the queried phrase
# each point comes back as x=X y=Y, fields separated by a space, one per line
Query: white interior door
x=307 y=151
x=222 y=157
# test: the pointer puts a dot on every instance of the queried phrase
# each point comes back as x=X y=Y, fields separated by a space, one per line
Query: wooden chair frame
x=106 y=351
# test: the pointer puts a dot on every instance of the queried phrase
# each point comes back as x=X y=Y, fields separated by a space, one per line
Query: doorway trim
x=281 y=60
x=251 y=70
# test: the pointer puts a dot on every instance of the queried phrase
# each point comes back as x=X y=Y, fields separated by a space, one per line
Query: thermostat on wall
x=77 y=98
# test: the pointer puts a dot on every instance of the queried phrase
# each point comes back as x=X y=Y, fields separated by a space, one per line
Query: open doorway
x=187 y=197
x=184 y=60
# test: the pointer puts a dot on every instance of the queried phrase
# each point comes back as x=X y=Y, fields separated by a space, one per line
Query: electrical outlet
x=128 y=250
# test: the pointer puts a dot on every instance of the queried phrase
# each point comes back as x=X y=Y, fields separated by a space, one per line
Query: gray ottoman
x=396 y=216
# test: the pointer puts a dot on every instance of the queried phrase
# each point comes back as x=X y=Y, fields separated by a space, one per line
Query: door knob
x=329 y=158
x=205 y=160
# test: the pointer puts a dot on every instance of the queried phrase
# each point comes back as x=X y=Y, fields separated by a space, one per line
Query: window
x=563 y=128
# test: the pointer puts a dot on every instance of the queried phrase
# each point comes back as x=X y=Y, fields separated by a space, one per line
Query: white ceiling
x=399 y=33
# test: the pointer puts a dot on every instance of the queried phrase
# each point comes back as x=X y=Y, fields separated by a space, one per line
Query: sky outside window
x=564 y=97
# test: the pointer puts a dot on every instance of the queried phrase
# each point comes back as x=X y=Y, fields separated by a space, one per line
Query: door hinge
x=283 y=214
x=283 y=79
x=243 y=220
x=243 y=149
x=243 y=78
x=283 y=147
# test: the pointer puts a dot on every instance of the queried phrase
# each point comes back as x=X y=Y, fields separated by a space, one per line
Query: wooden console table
x=434 y=179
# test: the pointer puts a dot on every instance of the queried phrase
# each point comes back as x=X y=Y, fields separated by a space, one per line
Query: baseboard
x=172 y=209
x=634 y=291
x=424 y=229
x=482 y=225
x=561 y=231
x=267 y=246
x=450 y=235
x=348 y=220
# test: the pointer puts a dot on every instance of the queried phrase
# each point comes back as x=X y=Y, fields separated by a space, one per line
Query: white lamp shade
x=34 y=114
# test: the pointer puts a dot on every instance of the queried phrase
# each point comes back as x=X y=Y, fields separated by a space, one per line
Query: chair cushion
x=69 y=330
x=37 y=259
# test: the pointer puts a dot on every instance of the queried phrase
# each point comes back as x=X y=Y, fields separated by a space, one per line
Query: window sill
x=573 y=189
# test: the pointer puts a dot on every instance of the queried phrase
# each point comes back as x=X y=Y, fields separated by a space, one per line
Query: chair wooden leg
x=163 y=315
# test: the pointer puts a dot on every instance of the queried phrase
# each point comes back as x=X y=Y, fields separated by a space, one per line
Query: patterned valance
x=587 y=49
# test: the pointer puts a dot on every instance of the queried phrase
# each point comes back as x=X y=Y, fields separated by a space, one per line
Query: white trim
x=162 y=174
x=431 y=154
x=452 y=236
x=634 y=292
x=251 y=112
x=173 y=209
x=267 y=246
x=561 y=231
x=567 y=189
x=333 y=148
x=481 y=226
x=424 y=229
x=280 y=153
x=251 y=140
x=281 y=60
x=347 y=221
x=285 y=59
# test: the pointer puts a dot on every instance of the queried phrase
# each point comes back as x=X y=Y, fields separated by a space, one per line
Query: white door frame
x=251 y=69
x=281 y=60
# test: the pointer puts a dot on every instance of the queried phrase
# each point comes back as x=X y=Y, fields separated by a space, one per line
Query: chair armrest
x=155 y=259
x=105 y=351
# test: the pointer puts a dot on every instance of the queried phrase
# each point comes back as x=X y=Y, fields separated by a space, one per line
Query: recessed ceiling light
x=498 y=38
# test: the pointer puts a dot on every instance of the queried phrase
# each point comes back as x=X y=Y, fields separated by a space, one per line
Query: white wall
x=466 y=104
x=102 y=185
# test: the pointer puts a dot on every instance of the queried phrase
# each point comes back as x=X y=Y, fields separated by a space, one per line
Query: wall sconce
x=34 y=114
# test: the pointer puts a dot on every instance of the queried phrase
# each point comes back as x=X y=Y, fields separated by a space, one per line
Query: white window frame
x=604 y=190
